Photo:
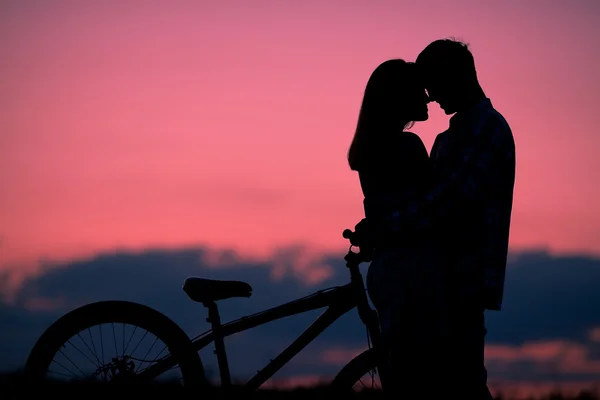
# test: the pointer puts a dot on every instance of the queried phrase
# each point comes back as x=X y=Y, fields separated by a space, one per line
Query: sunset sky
x=225 y=124
x=228 y=124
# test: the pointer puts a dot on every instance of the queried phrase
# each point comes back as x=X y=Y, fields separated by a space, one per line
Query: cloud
x=548 y=331
x=154 y=277
x=547 y=298
x=546 y=359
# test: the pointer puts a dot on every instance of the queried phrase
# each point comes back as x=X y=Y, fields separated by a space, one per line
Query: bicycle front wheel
x=359 y=375
x=111 y=341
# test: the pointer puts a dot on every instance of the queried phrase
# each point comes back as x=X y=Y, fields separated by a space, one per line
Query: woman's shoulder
x=411 y=138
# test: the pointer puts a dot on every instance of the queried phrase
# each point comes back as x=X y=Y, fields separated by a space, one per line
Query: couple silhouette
x=436 y=225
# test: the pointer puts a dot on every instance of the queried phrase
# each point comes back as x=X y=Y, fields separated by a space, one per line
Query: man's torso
x=474 y=238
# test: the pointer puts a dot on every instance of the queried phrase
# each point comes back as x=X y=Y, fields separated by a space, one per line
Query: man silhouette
x=468 y=209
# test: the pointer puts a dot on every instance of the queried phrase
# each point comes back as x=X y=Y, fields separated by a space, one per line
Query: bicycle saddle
x=202 y=290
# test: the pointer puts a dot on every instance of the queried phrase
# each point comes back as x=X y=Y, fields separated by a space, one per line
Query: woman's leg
x=387 y=280
x=406 y=292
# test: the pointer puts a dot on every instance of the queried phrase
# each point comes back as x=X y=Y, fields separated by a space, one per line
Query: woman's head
x=393 y=99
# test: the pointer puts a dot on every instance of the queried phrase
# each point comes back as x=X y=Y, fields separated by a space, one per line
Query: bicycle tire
x=144 y=317
x=352 y=372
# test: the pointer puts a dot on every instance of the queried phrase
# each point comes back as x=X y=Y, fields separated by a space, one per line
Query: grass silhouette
x=12 y=387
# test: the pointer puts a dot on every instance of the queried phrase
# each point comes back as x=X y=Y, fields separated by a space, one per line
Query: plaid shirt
x=470 y=205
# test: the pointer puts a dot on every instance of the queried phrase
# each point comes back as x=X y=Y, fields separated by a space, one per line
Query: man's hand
x=363 y=238
x=369 y=233
x=362 y=226
x=364 y=234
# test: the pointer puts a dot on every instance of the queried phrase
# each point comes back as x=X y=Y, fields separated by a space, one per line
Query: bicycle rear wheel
x=78 y=329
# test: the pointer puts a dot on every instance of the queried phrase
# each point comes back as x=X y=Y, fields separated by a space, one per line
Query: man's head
x=448 y=73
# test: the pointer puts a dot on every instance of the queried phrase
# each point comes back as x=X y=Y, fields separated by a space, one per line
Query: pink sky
x=130 y=123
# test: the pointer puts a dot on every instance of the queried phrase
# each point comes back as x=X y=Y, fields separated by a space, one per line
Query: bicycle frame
x=338 y=300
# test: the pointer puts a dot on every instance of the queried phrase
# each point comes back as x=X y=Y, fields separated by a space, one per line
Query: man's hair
x=449 y=54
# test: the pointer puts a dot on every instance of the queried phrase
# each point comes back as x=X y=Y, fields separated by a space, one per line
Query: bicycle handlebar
x=352 y=257
x=351 y=236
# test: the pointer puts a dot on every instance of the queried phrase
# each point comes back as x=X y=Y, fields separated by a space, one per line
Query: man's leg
x=467 y=372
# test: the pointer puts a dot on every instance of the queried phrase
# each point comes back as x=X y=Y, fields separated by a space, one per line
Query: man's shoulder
x=439 y=142
x=495 y=127
x=492 y=118
x=442 y=135
x=497 y=133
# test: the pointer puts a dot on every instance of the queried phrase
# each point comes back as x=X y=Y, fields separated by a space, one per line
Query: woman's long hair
x=381 y=110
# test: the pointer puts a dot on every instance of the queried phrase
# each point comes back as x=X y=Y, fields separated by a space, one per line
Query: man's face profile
x=438 y=81
x=441 y=94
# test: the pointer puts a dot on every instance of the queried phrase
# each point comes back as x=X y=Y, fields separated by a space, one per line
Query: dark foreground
x=12 y=387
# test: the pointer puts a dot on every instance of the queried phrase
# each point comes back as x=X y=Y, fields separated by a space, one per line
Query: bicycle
x=184 y=351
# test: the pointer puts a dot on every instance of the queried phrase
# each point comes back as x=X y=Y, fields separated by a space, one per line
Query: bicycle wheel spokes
x=111 y=352
x=370 y=382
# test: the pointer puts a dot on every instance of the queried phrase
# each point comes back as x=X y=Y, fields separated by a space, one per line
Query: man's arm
x=466 y=183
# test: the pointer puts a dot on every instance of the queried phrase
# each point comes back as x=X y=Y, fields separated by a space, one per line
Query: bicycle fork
x=368 y=316
x=378 y=345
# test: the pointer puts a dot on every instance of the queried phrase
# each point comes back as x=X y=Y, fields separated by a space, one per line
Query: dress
x=404 y=280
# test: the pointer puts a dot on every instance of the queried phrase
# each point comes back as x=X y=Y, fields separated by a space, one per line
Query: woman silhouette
x=404 y=281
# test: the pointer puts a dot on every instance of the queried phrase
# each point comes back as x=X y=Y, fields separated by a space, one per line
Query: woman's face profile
x=415 y=103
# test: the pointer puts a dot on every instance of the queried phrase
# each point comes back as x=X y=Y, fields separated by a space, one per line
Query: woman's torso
x=397 y=174
x=404 y=278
